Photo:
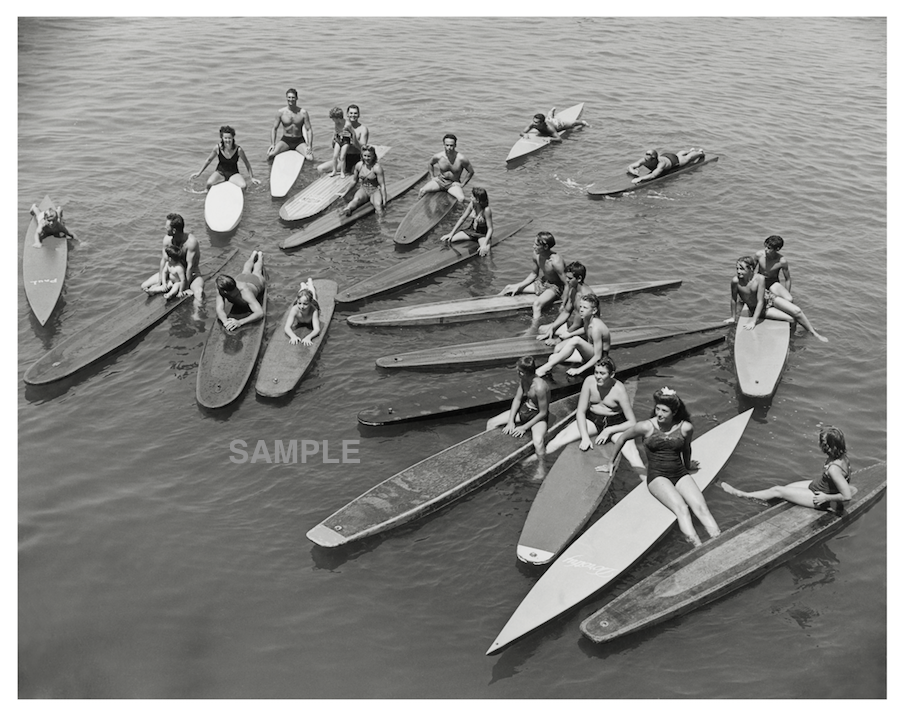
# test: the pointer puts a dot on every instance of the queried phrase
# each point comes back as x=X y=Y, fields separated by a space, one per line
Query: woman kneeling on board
x=749 y=287
x=369 y=175
x=482 y=226
x=604 y=410
x=831 y=486
x=529 y=409
x=667 y=443
x=304 y=312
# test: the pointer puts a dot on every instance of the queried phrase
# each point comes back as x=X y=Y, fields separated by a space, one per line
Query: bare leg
x=687 y=157
x=377 y=201
x=214 y=179
x=238 y=180
x=538 y=433
x=664 y=490
x=779 y=290
x=796 y=492
x=498 y=421
x=695 y=500
x=569 y=434
x=796 y=312
x=544 y=299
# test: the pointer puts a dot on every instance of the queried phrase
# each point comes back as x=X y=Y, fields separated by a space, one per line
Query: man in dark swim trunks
x=296 y=129
x=574 y=290
x=547 y=274
x=661 y=163
x=243 y=293
x=190 y=246
x=771 y=264
x=450 y=164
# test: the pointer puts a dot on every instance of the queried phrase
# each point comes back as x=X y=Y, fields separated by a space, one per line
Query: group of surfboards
x=583 y=562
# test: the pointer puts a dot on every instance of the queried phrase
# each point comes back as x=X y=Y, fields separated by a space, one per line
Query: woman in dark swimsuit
x=303 y=312
x=228 y=152
x=369 y=175
x=482 y=226
x=833 y=485
x=667 y=444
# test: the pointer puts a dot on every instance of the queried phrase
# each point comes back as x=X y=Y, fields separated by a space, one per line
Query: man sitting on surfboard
x=547 y=275
x=592 y=341
x=243 y=293
x=176 y=236
x=770 y=263
x=574 y=290
x=530 y=408
x=50 y=224
x=661 y=163
x=296 y=129
x=450 y=167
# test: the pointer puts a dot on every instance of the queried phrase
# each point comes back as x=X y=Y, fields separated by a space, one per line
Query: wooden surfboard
x=284 y=364
x=228 y=359
x=626 y=186
x=320 y=194
x=513 y=347
x=735 y=558
x=489 y=307
x=44 y=268
x=615 y=541
x=569 y=495
x=424 y=215
x=335 y=220
x=468 y=393
x=113 y=330
x=424 y=265
x=286 y=166
x=532 y=143
x=224 y=206
x=760 y=355
x=433 y=483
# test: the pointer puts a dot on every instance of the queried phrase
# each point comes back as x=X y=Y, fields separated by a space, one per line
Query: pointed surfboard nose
x=325 y=536
x=530 y=555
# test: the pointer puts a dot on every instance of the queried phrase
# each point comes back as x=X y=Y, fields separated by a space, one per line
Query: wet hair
x=674 y=403
x=173 y=252
x=449 y=135
x=176 y=221
x=547 y=239
x=652 y=152
x=369 y=147
x=527 y=364
x=749 y=261
x=541 y=118
x=336 y=113
x=312 y=300
x=774 y=241
x=578 y=270
x=832 y=442
x=292 y=91
x=226 y=130
x=480 y=195
x=608 y=364
x=224 y=283
x=353 y=106
x=593 y=300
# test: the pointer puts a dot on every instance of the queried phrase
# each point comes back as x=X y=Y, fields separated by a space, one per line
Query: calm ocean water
x=149 y=565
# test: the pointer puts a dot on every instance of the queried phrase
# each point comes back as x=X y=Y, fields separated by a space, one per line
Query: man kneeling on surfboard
x=243 y=293
x=660 y=163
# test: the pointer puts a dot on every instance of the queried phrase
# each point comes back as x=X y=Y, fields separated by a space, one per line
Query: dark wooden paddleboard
x=626 y=186
x=433 y=483
x=228 y=359
x=421 y=266
x=473 y=392
x=335 y=220
x=113 y=330
x=424 y=215
x=511 y=348
x=496 y=305
x=735 y=558
x=43 y=268
x=284 y=364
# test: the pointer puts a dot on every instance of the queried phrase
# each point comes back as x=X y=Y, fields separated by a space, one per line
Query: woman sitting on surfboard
x=304 y=312
x=482 y=226
x=228 y=153
x=660 y=163
x=833 y=485
x=530 y=408
x=749 y=287
x=370 y=177
x=667 y=443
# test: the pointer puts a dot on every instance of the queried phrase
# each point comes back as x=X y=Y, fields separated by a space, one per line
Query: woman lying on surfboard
x=228 y=153
x=303 y=312
x=369 y=175
x=833 y=485
x=667 y=443
x=49 y=224
x=749 y=287
x=482 y=226
x=529 y=409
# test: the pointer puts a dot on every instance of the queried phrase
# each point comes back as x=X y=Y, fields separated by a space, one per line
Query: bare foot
x=819 y=336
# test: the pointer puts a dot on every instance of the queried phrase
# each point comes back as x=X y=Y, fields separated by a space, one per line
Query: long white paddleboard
x=615 y=542
x=760 y=355
x=286 y=166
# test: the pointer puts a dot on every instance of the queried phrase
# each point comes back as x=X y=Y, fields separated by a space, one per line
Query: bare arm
x=484 y=243
x=307 y=130
x=688 y=431
x=247 y=164
x=209 y=160
x=638 y=430
x=467 y=166
x=275 y=127
x=787 y=275
x=462 y=219
x=543 y=404
x=633 y=168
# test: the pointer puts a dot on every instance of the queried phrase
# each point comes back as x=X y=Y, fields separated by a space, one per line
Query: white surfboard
x=286 y=166
x=224 y=206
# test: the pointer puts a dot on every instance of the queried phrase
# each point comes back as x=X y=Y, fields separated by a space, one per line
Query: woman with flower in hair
x=303 y=312
x=833 y=485
x=666 y=441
